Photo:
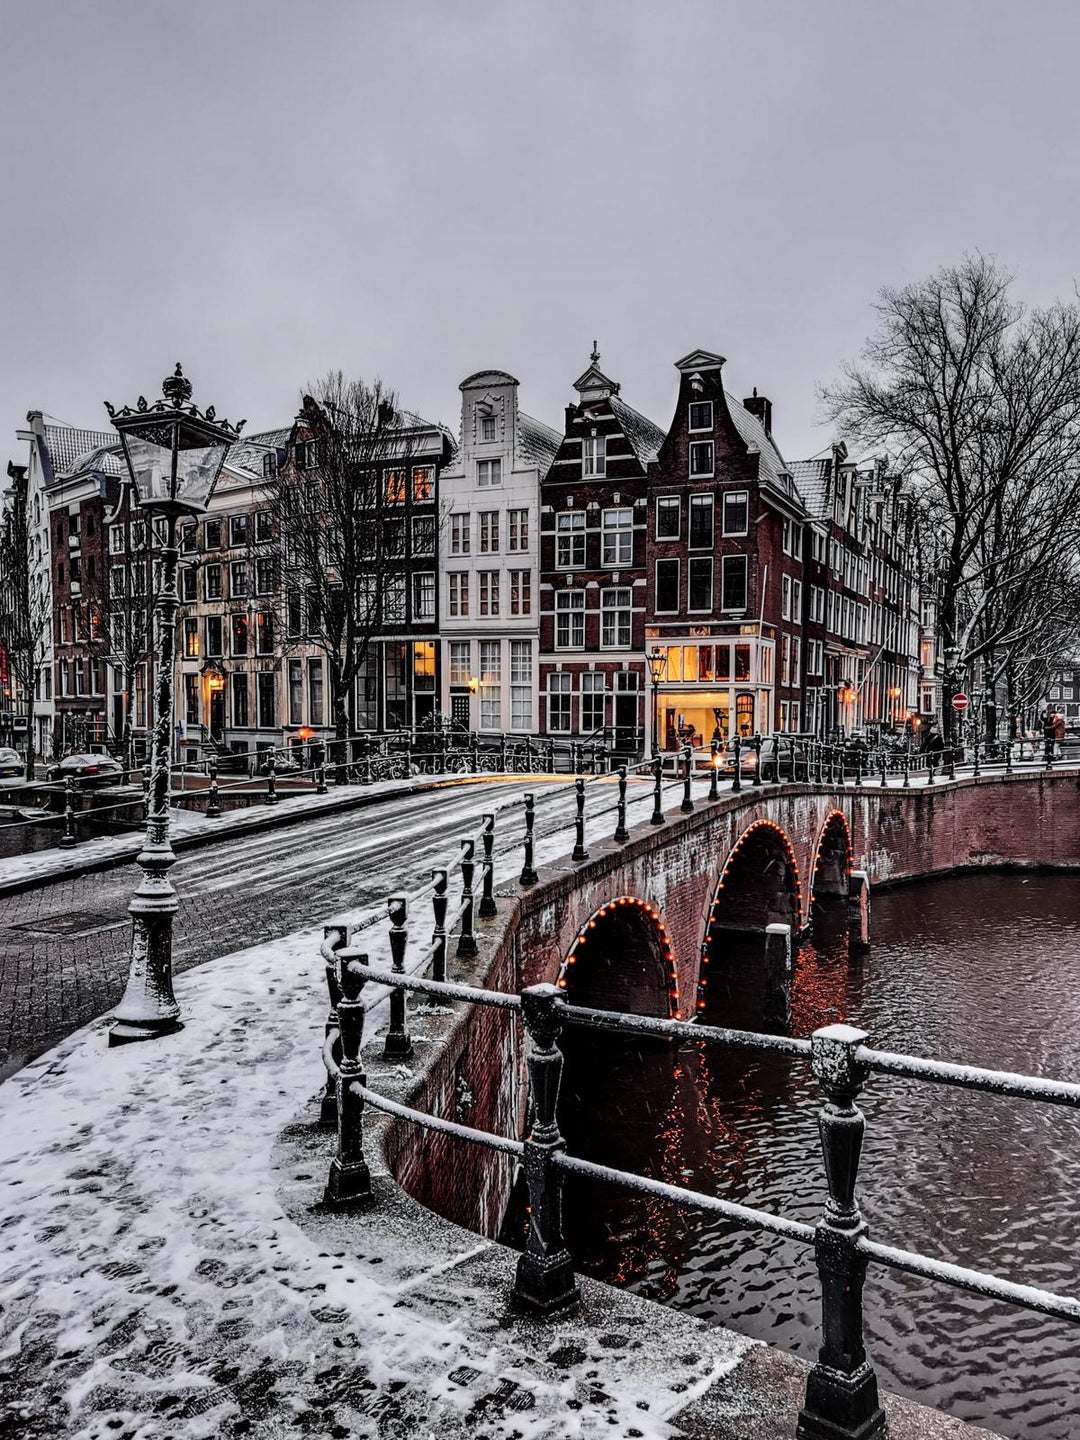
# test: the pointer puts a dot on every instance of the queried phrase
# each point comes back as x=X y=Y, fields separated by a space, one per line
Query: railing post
x=466 y=945
x=502 y=753
x=657 y=816
x=858 y=766
x=841 y=783
x=350 y=1180
x=528 y=874
x=714 y=766
x=146 y=792
x=528 y=755
x=398 y=1043
x=736 y=746
x=439 y=902
x=688 y=761
x=907 y=767
x=1048 y=751
x=777 y=1009
x=884 y=769
x=756 y=742
x=575 y=765
x=474 y=752
x=213 y=799
x=334 y=937
x=1008 y=757
x=488 y=908
x=320 y=780
x=841 y=1389
x=776 y=759
x=621 y=832
x=975 y=747
x=67 y=840
x=951 y=773
x=271 y=780
x=545 y=1281
x=579 y=852
x=859 y=910
x=551 y=756
x=365 y=756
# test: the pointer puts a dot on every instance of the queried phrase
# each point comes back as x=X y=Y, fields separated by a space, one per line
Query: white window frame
x=703 y=450
x=616 y=618
x=570 y=620
x=570 y=536
x=670 y=503
x=733 y=497
x=489 y=473
x=617 y=531
x=706 y=405
x=593 y=457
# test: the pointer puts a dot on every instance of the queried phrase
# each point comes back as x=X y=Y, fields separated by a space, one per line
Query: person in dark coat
x=934 y=747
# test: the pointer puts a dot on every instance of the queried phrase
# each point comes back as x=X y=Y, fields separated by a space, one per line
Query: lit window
x=422 y=481
x=395 y=487
x=264 y=633
x=191 y=639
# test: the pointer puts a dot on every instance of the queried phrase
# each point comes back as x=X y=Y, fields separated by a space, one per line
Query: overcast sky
x=419 y=190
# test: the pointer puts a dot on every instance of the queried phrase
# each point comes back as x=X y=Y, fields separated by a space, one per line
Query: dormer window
x=488 y=428
x=701 y=458
x=701 y=415
x=594 y=456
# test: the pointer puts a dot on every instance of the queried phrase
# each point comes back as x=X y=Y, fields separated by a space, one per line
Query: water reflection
x=982 y=969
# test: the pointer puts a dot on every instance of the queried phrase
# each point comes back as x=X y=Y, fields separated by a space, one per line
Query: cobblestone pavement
x=232 y=895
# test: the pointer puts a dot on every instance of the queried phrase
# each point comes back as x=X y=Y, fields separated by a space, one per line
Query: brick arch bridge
x=630 y=928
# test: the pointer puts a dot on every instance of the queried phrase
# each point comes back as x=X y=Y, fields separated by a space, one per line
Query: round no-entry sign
x=959 y=702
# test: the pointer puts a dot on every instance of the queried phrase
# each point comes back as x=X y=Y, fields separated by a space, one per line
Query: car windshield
x=8 y=755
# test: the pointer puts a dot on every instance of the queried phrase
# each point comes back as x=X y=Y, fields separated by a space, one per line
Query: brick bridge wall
x=669 y=877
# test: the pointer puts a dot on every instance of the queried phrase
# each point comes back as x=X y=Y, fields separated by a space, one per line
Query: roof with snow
x=538 y=443
x=645 y=438
x=812 y=479
x=65 y=444
x=772 y=467
x=249 y=451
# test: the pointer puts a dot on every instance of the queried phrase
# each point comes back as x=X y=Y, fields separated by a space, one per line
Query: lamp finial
x=177 y=387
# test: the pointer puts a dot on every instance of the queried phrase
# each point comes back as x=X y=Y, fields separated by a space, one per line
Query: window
x=238 y=584
x=817 y=604
x=315 y=691
x=239 y=635
x=212 y=582
x=520 y=592
x=264 y=526
x=138 y=534
x=213 y=635
x=306 y=455
x=459 y=534
x=393 y=599
x=116 y=539
x=570 y=540
x=488 y=428
x=188 y=536
x=736 y=513
x=238 y=530
x=785 y=597
x=269 y=465
x=617 y=539
x=701 y=583
x=593 y=698
x=734 y=582
x=701 y=522
x=616 y=619
x=559 y=703
x=814 y=652
x=785 y=660
x=489 y=592
x=517 y=527
x=423 y=535
x=668 y=509
x=796 y=601
x=489 y=532
x=423 y=666
x=212 y=535
x=239 y=686
x=192 y=708
x=570 y=620
x=594 y=455
x=701 y=457
x=667 y=587
x=264 y=633
x=267 y=700
x=787 y=537
x=459 y=593
x=521 y=674
x=395 y=487
x=191 y=639
x=264 y=576
x=490 y=685
x=422 y=481
x=460 y=660
x=393 y=531
x=424 y=595
x=701 y=415
x=488 y=473
x=296 y=692
x=189 y=583
x=796 y=656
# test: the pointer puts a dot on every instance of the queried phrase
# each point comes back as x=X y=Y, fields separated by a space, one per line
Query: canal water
x=984 y=970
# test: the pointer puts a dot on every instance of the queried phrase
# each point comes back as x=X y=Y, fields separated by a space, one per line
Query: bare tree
x=977 y=399
x=25 y=603
x=340 y=507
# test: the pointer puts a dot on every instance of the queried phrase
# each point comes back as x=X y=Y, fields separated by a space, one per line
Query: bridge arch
x=759 y=885
x=830 y=870
x=621 y=959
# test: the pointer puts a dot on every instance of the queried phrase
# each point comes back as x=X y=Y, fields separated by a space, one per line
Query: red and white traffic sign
x=959 y=702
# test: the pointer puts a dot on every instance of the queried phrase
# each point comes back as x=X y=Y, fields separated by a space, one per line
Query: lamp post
x=174 y=455
x=657 y=659
x=952 y=666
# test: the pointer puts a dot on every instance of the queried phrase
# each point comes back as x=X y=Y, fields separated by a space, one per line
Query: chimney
x=762 y=409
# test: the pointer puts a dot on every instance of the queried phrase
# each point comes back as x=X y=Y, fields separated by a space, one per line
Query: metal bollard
x=858 y=768
x=528 y=874
x=502 y=754
x=398 y=1044
x=320 y=780
x=466 y=946
x=1008 y=757
x=146 y=792
x=976 y=749
x=657 y=816
x=67 y=840
x=488 y=907
x=271 y=780
x=951 y=772
x=213 y=799
x=334 y=938
x=545 y=1283
x=439 y=902
x=907 y=768
x=349 y=1181
x=841 y=1389
x=756 y=742
x=474 y=753
x=621 y=833
x=369 y=770
x=736 y=745
x=776 y=760
x=551 y=756
x=1048 y=751
x=687 y=805
x=579 y=852
x=714 y=767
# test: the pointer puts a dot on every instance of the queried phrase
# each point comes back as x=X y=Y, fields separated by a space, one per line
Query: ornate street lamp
x=174 y=454
x=657 y=659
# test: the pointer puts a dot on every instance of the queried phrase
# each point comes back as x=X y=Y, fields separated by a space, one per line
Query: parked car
x=11 y=764
x=89 y=769
x=792 y=759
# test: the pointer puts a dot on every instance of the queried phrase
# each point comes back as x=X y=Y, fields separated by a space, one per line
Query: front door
x=459 y=710
x=217 y=714
x=626 y=719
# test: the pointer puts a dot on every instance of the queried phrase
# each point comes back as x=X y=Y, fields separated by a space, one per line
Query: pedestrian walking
x=933 y=748
x=1057 y=724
